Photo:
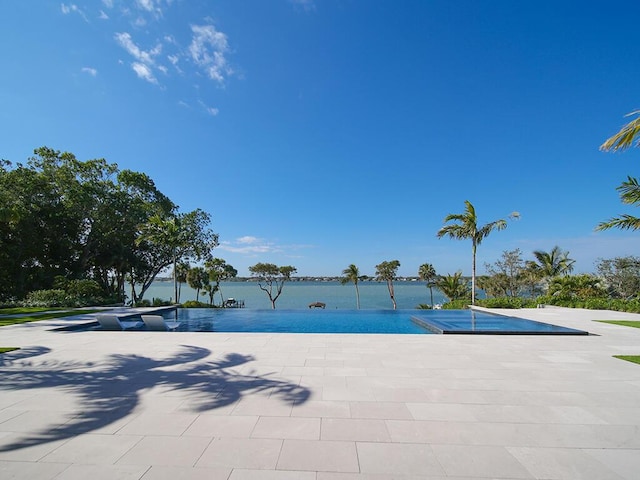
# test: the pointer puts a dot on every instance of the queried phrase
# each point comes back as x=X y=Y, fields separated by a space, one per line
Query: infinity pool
x=359 y=321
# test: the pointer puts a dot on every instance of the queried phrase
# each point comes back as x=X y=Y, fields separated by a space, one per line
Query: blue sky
x=319 y=133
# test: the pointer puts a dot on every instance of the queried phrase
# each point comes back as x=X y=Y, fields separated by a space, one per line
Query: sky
x=321 y=133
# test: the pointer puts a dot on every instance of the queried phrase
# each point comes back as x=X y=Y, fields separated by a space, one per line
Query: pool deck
x=174 y=405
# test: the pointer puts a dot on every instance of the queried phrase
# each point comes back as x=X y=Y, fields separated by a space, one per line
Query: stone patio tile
x=380 y=410
x=186 y=473
x=31 y=453
x=479 y=461
x=93 y=449
x=258 y=405
x=241 y=474
x=30 y=470
x=28 y=421
x=563 y=464
x=315 y=381
x=365 y=430
x=393 y=458
x=102 y=472
x=441 y=412
x=625 y=463
x=222 y=426
x=251 y=453
x=166 y=451
x=346 y=394
x=310 y=455
x=158 y=424
x=301 y=428
x=321 y=408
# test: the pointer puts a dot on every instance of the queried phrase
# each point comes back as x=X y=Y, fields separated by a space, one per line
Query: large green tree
x=552 y=264
x=386 y=272
x=271 y=276
x=465 y=227
x=351 y=274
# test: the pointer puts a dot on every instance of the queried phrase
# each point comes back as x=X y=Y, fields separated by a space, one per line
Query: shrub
x=423 y=306
x=461 y=304
x=159 y=302
x=195 y=304
x=46 y=298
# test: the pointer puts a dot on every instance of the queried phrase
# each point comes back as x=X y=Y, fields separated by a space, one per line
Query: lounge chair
x=157 y=322
x=112 y=322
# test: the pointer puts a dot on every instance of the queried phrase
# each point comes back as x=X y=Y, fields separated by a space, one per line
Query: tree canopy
x=63 y=217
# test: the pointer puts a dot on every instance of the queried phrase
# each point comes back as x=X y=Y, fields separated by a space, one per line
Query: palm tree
x=553 y=263
x=180 y=276
x=386 y=271
x=427 y=273
x=454 y=287
x=629 y=191
x=197 y=278
x=352 y=274
x=467 y=228
x=630 y=194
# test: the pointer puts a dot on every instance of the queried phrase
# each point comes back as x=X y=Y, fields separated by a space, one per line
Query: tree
x=272 y=276
x=552 y=264
x=352 y=274
x=629 y=190
x=219 y=271
x=427 y=274
x=505 y=275
x=180 y=276
x=467 y=228
x=386 y=272
x=454 y=287
x=197 y=278
x=630 y=195
x=177 y=237
x=576 y=286
x=621 y=276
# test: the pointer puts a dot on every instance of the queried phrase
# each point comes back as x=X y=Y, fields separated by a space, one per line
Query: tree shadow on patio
x=109 y=391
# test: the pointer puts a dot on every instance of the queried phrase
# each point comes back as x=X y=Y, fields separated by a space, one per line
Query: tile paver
x=131 y=405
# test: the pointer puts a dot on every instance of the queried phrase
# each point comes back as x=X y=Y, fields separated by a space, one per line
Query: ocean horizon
x=299 y=294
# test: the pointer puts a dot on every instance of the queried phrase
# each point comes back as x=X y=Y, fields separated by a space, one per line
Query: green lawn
x=19 y=310
x=629 y=358
x=42 y=316
x=624 y=323
x=8 y=349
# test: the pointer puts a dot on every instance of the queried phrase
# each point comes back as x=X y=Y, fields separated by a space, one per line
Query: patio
x=160 y=405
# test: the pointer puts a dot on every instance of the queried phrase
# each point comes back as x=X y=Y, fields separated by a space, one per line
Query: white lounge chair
x=157 y=322
x=112 y=322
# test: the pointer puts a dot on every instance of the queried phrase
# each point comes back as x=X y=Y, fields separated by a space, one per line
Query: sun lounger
x=157 y=322
x=112 y=322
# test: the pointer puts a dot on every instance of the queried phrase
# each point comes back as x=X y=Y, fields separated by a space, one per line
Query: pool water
x=358 y=321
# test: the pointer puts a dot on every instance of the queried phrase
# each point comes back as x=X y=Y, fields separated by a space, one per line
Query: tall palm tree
x=386 y=271
x=352 y=274
x=427 y=273
x=554 y=263
x=467 y=228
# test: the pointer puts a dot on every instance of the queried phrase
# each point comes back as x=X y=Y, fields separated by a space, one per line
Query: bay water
x=295 y=295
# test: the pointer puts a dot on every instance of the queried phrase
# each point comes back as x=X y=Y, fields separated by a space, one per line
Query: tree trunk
x=357 y=297
x=473 y=276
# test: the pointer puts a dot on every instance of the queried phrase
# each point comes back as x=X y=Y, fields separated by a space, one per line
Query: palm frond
x=624 y=222
x=624 y=139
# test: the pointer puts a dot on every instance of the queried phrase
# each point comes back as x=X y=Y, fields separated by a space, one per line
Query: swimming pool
x=359 y=321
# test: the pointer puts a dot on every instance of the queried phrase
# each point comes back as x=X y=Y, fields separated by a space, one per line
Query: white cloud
x=207 y=50
x=91 y=71
x=72 y=8
x=143 y=71
x=247 y=239
x=108 y=3
x=307 y=5
x=103 y=16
